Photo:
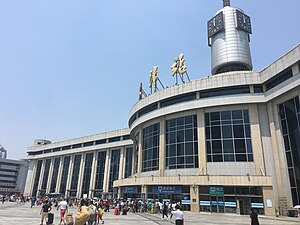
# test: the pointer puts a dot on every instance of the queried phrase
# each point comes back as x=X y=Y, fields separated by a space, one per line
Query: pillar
x=50 y=176
x=201 y=142
x=121 y=164
x=41 y=177
x=93 y=174
x=80 y=176
x=30 y=177
x=195 y=199
x=140 y=154
x=106 y=171
x=269 y=205
x=69 y=180
x=144 y=191
x=60 y=169
x=162 y=152
x=258 y=156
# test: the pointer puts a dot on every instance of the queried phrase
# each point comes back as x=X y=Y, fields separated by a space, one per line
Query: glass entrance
x=217 y=204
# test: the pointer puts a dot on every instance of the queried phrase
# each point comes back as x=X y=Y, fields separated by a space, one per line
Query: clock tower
x=229 y=36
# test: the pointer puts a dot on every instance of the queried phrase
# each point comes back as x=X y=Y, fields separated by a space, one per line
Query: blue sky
x=72 y=68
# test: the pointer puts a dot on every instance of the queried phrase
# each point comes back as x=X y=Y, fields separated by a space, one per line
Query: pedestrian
x=46 y=208
x=165 y=210
x=32 y=202
x=92 y=211
x=253 y=217
x=83 y=215
x=3 y=200
x=100 y=214
x=63 y=207
x=178 y=215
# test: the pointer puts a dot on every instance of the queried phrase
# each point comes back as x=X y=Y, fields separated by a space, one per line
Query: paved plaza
x=22 y=214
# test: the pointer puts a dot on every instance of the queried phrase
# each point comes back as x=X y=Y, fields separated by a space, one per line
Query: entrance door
x=217 y=204
x=245 y=204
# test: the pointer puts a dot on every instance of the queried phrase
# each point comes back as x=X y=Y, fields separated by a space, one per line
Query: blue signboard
x=130 y=190
x=166 y=189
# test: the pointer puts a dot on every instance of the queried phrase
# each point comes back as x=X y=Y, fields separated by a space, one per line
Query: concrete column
x=201 y=142
x=59 y=175
x=195 y=199
x=119 y=192
x=269 y=205
x=41 y=177
x=30 y=177
x=80 y=176
x=121 y=163
x=258 y=156
x=295 y=69
x=93 y=174
x=69 y=180
x=284 y=189
x=275 y=149
x=50 y=176
x=267 y=147
x=106 y=171
x=144 y=190
x=162 y=150
x=140 y=157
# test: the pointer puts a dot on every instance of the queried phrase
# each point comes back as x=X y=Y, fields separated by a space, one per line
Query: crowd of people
x=91 y=211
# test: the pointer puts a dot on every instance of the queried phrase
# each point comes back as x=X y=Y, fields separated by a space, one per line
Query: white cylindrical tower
x=228 y=36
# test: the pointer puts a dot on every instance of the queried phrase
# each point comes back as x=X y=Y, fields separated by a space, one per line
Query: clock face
x=215 y=25
x=243 y=22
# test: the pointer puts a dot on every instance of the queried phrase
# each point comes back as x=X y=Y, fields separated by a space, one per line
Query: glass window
x=182 y=151
x=64 y=175
x=151 y=147
x=46 y=175
x=114 y=168
x=75 y=174
x=128 y=162
x=289 y=116
x=87 y=173
x=37 y=177
x=54 y=175
x=100 y=170
x=231 y=138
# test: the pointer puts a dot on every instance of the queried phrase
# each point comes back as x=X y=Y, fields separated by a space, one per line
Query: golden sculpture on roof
x=153 y=79
x=141 y=91
x=179 y=68
x=174 y=67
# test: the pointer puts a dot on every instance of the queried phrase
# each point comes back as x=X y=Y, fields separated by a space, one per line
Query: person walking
x=92 y=210
x=165 y=210
x=253 y=217
x=46 y=208
x=178 y=215
x=63 y=207
x=100 y=214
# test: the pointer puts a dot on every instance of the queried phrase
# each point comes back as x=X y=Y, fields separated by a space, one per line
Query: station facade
x=222 y=144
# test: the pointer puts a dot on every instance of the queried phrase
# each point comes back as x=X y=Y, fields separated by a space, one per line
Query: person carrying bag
x=83 y=215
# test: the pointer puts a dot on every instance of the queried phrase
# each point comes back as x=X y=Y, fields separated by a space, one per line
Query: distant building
x=13 y=175
x=3 y=152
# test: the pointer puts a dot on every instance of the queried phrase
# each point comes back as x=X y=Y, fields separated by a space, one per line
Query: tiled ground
x=20 y=214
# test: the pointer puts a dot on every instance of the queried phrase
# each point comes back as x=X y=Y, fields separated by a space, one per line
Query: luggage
x=69 y=219
x=50 y=218
x=116 y=211
x=124 y=211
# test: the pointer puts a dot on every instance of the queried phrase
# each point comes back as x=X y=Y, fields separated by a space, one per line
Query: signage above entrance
x=216 y=190
x=130 y=190
x=166 y=189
